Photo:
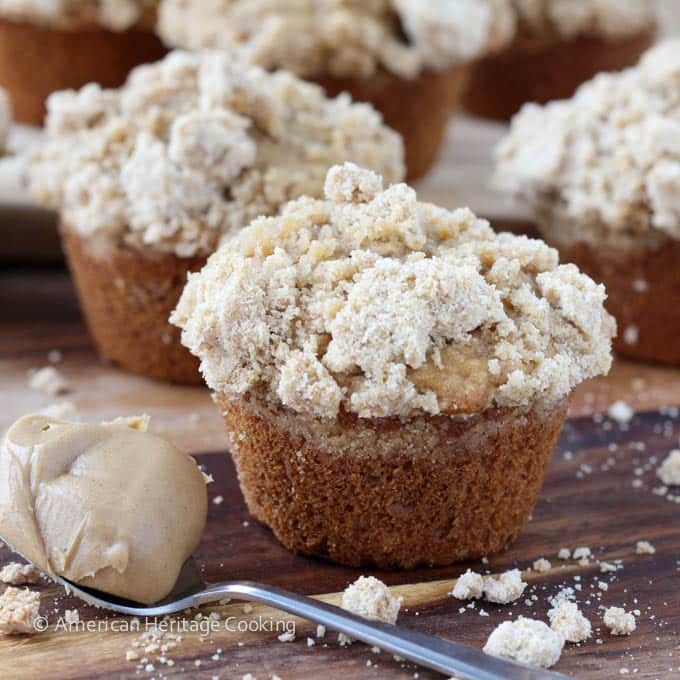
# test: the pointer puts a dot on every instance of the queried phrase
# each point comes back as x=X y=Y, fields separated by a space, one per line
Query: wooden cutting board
x=598 y=494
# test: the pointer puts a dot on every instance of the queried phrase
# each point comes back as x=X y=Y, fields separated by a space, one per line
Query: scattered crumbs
x=207 y=477
x=631 y=335
x=54 y=356
x=48 y=380
x=644 y=548
x=608 y=567
x=564 y=554
x=504 y=588
x=310 y=642
x=620 y=411
x=19 y=609
x=469 y=586
x=568 y=620
x=131 y=655
x=288 y=636
x=603 y=585
x=498 y=588
x=371 y=598
x=619 y=621
x=17 y=574
x=541 y=565
x=71 y=617
x=320 y=631
x=669 y=470
x=526 y=640
x=218 y=500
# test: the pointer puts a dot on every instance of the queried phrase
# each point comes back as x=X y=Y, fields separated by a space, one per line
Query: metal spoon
x=427 y=650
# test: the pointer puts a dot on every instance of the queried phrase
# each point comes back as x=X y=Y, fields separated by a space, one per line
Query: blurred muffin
x=393 y=376
x=149 y=177
x=5 y=120
x=558 y=46
x=601 y=173
x=48 y=46
x=406 y=57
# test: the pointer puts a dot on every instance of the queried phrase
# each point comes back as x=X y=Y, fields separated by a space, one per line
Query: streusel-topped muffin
x=558 y=46
x=406 y=57
x=48 y=46
x=393 y=375
x=149 y=177
x=601 y=173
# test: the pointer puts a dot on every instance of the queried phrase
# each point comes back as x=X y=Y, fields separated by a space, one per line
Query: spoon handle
x=427 y=650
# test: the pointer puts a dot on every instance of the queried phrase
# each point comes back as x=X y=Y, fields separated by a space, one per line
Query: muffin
x=48 y=46
x=393 y=376
x=601 y=174
x=558 y=46
x=149 y=177
x=406 y=57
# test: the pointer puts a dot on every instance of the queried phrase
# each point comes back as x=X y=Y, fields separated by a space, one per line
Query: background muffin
x=406 y=57
x=601 y=173
x=148 y=178
x=48 y=46
x=558 y=46
x=393 y=376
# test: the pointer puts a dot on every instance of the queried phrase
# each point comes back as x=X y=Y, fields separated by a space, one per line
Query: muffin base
x=126 y=299
x=651 y=308
x=433 y=490
x=500 y=84
x=35 y=61
x=419 y=109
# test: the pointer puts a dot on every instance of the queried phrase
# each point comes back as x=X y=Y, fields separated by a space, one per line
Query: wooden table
x=590 y=498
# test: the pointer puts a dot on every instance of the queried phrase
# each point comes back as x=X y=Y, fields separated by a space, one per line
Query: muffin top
x=342 y=38
x=607 y=161
x=195 y=146
x=564 y=19
x=116 y=15
x=379 y=305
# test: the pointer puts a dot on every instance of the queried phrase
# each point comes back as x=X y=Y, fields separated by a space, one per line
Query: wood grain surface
x=591 y=498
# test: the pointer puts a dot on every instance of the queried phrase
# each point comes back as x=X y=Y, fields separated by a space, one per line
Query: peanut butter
x=108 y=506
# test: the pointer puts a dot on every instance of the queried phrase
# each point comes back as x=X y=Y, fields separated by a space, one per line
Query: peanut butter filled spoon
x=108 y=506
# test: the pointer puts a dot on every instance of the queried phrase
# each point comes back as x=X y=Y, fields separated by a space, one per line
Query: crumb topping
x=611 y=19
x=526 y=640
x=115 y=15
x=19 y=608
x=380 y=305
x=196 y=146
x=342 y=38
x=604 y=165
x=619 y=621
x=568 y=620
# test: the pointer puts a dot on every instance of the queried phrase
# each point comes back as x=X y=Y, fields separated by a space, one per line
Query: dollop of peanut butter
x=108 y=506
x=460 y=379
